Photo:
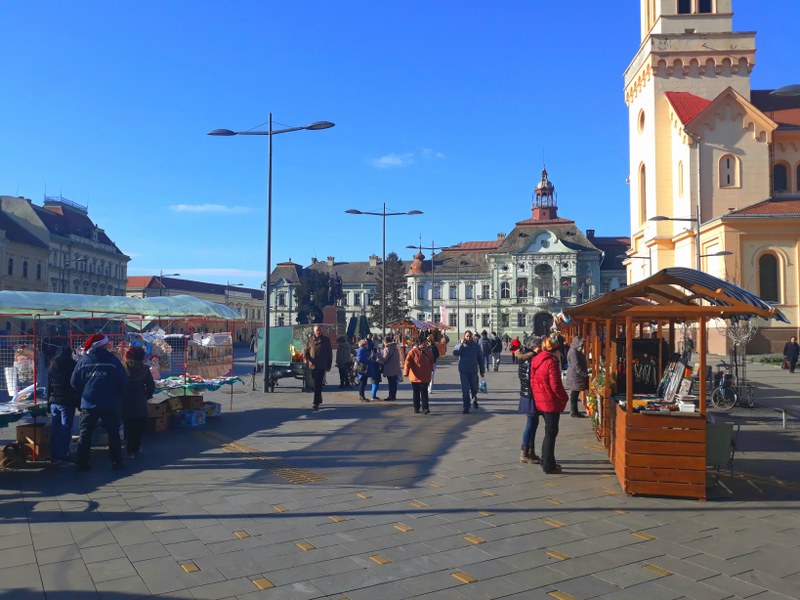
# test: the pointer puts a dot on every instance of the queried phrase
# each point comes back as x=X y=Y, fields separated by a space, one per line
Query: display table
x=659 y=454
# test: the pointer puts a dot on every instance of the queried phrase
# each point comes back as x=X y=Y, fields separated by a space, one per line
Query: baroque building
x=520 y=281
x=71 y=254
x=714 y=165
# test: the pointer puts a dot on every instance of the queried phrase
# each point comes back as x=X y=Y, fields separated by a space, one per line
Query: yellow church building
x=714 y=166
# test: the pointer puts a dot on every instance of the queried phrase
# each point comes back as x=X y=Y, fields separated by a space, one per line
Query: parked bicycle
x=728 y=392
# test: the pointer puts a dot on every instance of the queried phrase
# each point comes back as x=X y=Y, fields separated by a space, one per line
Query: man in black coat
x=319 y=358
x=791 y=352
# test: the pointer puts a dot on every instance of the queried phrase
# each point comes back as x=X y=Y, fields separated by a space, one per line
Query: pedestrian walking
x=344 y=360
x=550 y=398
x=577 y=378
x=434 y=348
x=486 y=349
x=99 y=378
x=319 y=359
x=392 y=366
x=138 y=390
x=62 y=400
x=791 y=352
x=496 y=347
x=526 y=404
x=470 y=363
x=514 y=347
x=419 y=370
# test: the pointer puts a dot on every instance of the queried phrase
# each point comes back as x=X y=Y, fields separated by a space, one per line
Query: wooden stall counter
x=660 y=454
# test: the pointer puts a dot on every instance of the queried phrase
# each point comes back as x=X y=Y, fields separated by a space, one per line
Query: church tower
x=688 y=56
x=545 y=204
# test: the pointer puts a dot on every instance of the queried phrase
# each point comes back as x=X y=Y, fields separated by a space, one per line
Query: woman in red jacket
x=514 y=346
x=550 y=398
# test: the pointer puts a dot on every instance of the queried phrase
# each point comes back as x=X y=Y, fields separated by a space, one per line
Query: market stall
x=643 y=405
x=407 y=331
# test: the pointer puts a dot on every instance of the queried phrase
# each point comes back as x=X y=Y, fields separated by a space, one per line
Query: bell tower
x=688 y=47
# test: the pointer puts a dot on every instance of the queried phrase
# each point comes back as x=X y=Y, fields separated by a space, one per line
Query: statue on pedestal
x=335 y=292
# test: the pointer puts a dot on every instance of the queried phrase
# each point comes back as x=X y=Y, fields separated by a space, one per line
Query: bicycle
x=727 y=393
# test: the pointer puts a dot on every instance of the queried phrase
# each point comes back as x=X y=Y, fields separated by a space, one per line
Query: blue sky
x=449 y=107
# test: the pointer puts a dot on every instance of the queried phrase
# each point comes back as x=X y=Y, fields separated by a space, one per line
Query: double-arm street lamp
x=383 y=214
x=316 y=125
x=161 y=276
x=433 y=248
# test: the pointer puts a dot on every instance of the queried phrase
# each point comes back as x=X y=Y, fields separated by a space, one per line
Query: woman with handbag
x=363 y=360
x=392 y=366
x=526 y=404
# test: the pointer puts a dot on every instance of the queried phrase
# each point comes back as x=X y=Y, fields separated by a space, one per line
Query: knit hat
x=550 y=343
x=95 y=341
x=535 y=341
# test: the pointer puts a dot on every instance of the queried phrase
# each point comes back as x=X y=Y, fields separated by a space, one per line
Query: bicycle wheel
x=723 y=398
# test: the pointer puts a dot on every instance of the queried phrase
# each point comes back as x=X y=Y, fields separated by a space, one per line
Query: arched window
x=797 y=179
x=728 y=171
x=522 y=287
x=780 y=178
x=768 y=278
x=505 y=290
x=642 y=193
x=680 y=178
x=543 y=280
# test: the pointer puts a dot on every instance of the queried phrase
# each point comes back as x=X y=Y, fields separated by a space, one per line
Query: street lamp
x=161 y=276
x=433 y=248
x=383 y=214
x=316 y=125
x=696 y=221
x=626 y=257
x=787 y=90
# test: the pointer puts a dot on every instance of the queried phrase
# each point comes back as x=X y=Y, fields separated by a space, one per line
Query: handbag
x=360 y=368
x=785 y=364
x=526 y=406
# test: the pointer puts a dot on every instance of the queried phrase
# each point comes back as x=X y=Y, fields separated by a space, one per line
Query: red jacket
x=514 y=345
x=548 y=391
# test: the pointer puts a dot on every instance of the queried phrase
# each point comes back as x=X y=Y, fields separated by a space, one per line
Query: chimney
x=590 y=234
x=501 y=237
x=313 y=260
x=330 y=261
x=373 y=261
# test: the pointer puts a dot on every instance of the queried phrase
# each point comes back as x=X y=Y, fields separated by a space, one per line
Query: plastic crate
x=188 y=418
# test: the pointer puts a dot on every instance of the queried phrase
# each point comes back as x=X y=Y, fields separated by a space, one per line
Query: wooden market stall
x=657 y=441
x=406 y=331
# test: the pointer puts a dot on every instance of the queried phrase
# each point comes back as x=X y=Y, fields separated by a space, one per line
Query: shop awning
x=679 y=293
x=80 y=306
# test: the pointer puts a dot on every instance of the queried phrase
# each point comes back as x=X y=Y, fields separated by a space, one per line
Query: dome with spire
x=416 y=267
x=545 y=185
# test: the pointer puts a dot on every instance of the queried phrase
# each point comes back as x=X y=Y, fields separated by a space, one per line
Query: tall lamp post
x=383 y=214
x=161 y=276
x=433 y=248
x=316 y=125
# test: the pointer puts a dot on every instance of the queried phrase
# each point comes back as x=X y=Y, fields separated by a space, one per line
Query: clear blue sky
x=448 y=107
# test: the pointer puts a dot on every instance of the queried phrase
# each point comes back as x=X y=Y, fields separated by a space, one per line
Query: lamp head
x=659 y=218
x=224 y=132
x=414 y=212
x=319 y=125
x=787 y=90
x=354 y=211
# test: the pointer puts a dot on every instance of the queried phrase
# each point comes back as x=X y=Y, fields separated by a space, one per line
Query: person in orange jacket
x=419 y=370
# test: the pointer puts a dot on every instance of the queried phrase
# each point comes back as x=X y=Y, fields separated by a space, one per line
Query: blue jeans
x=469 y=387
x=529 y=434
x=62 y=417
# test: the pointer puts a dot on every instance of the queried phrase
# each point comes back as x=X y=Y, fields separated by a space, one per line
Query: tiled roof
x=352 y=272
x=64 y=220
x=687 y=106
x=136 y=282
x=491 y=245
x=772 y=206
x=187 y=285
x=556 y=221
x=17 y=233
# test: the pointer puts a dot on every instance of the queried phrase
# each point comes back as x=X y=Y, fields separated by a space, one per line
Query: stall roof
x=409 y=322
x=80 y=306
x=682 y=294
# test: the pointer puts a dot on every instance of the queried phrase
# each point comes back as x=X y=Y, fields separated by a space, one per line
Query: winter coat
x=59 y=390
x=791 y=351
x=392 y=365
x=344 y=355
x=524 y=357
x=138 y=390
x=548 y=391
x=486 y=345
x=319 y=354
x=470 y=358
x=99 y=378
x=419 y=365
x=515 y=345
x=577 y=378
x=496 y=345
x=365 y=356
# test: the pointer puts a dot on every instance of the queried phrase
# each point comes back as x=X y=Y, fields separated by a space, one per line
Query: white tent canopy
x=79 y=306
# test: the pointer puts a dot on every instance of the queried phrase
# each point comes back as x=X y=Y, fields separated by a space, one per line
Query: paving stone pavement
x=372 y=501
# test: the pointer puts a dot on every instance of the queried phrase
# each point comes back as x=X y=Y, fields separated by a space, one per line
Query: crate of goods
x=36 y=439
x=156 y=424
x=188 y=418
x=157 y=409
x=175 y=404
x=191 y=402
x=212 y=409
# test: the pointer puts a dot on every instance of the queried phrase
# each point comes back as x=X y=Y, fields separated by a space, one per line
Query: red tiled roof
x=686 y=105
x=771 y=206
x=474 y=246
x=557 y=221
x=139 y=281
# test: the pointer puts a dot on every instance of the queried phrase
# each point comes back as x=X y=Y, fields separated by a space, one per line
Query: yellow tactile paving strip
x=275 y=466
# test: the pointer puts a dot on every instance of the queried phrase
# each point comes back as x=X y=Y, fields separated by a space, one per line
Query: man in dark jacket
x=319 y=358
x=495 y=348
x=99 y=378
x=486 y=348
x=63 y=400
x=470 y=362
x=791 y=352
x=577 y=379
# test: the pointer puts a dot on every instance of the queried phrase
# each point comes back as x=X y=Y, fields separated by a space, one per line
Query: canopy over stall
x=76 y=306
x=658 y=453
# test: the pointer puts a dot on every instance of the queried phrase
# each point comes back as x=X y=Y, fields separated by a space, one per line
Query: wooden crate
x=661 y=455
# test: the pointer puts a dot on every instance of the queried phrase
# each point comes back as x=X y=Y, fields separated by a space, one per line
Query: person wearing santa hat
x=99 y=378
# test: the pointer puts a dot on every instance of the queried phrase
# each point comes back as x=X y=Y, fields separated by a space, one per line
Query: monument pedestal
x=335 y=316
